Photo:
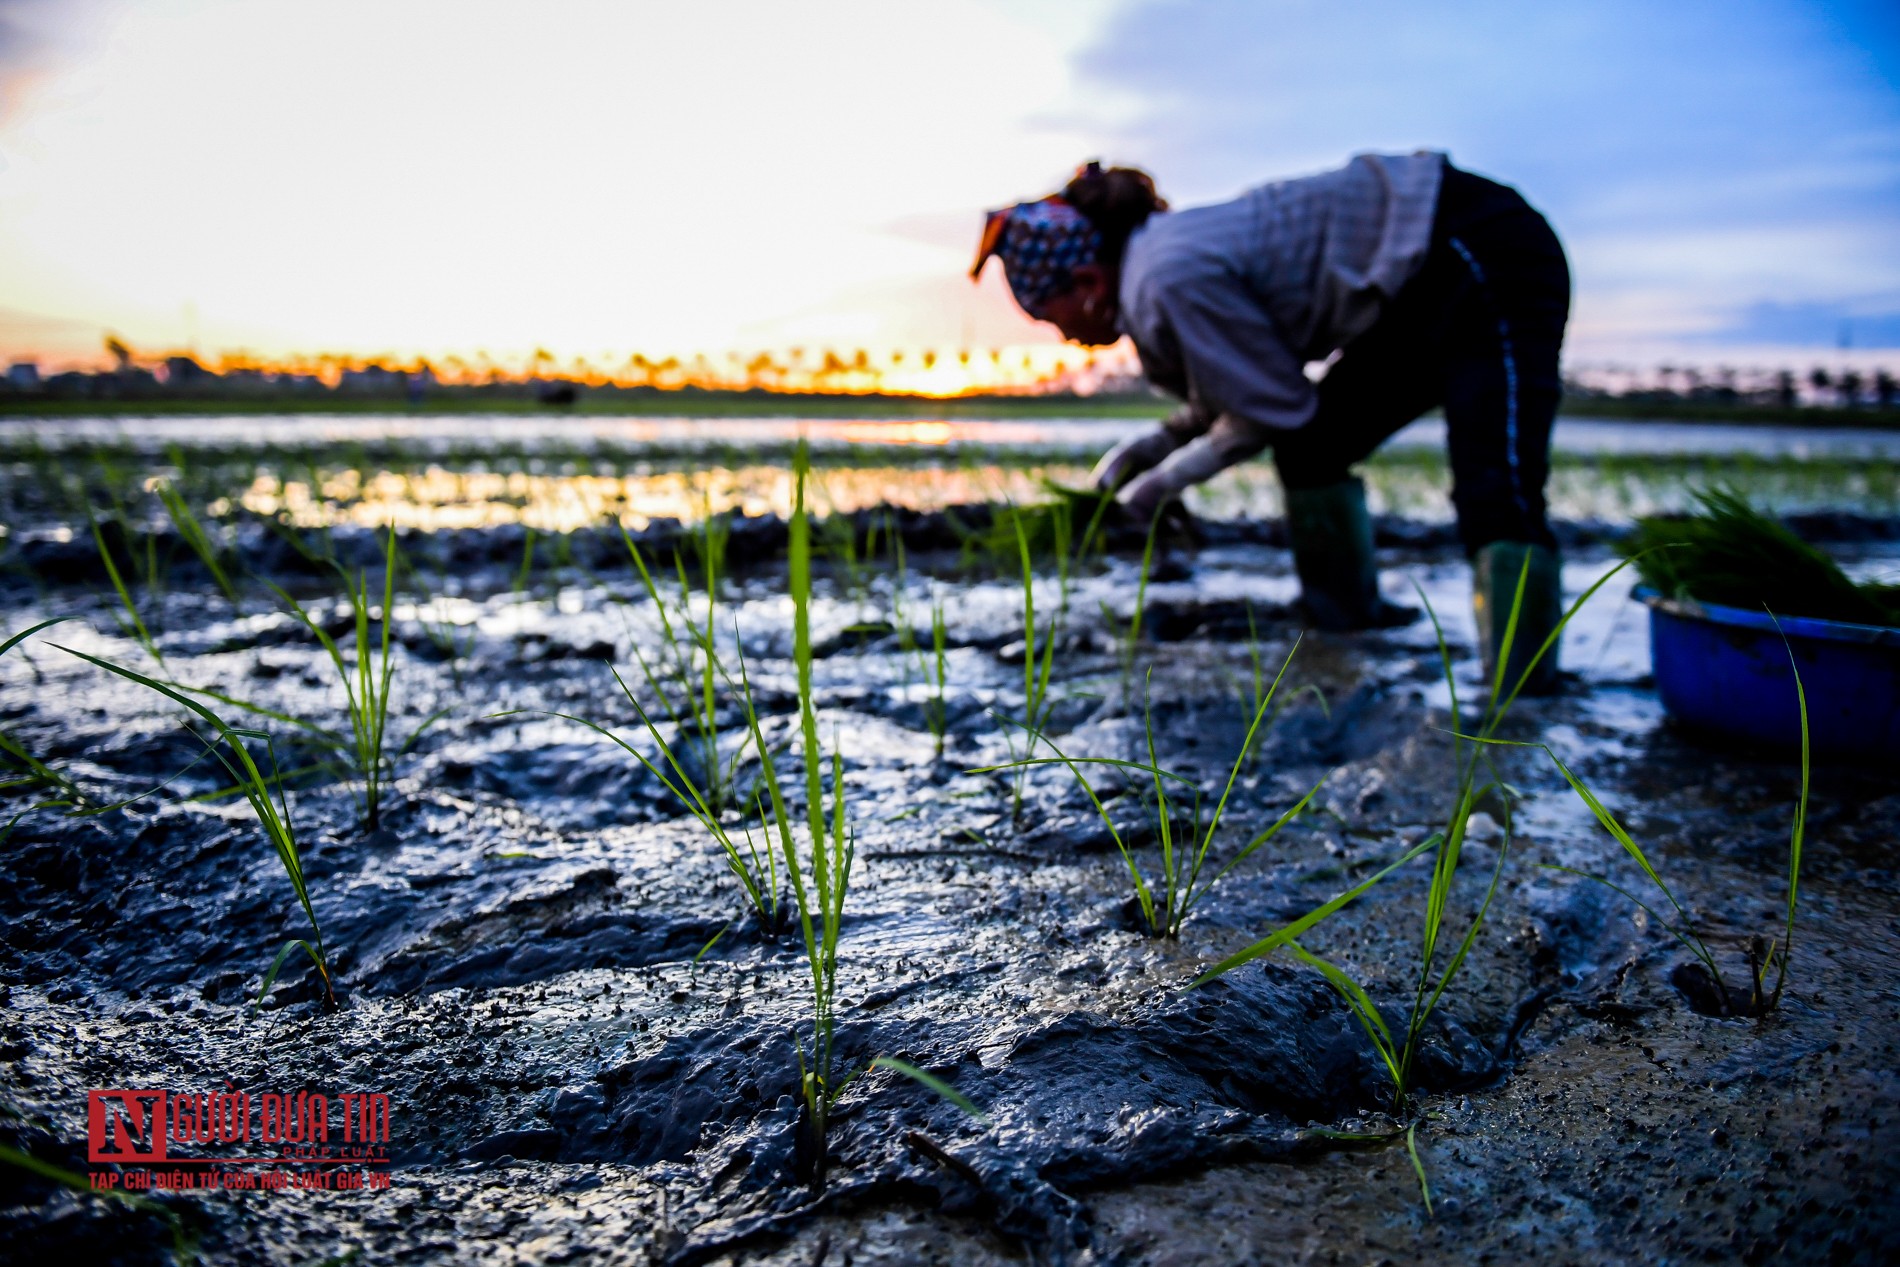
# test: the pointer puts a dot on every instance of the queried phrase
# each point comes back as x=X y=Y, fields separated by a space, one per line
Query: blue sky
x=426 y=176
x=1726 y=174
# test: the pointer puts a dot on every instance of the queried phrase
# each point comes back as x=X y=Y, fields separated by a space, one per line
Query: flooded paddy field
x=589 y=1040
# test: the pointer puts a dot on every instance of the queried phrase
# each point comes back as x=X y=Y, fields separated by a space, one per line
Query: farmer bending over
x=1419 y=284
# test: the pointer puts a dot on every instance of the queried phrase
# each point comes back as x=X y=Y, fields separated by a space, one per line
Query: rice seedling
x=130 y=621
x=191 y=531
x=273 y=816
x=367 y=677
x=184 y=1247
x=1181 y=882
x=526 y=569
x=1765 y=954
x=1439 y=959
x=1129 y=635
x=1257 y=684
x=936 y=707
x=756 y=869
x=1037 y=669
x=21 y=771
x=838 y=535
x=686 y=679
x=815 y=862
x=821 y=893
x=122 y=489
x=1070 y=554
x=907 y=649
x=453 y=642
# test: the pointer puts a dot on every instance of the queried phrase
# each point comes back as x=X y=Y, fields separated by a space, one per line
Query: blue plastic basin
x=1724 y=670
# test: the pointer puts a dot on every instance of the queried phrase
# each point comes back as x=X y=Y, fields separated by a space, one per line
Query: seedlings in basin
x=273 y=816
x=1735 y=555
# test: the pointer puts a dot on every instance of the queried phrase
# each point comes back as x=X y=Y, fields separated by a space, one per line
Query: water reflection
x=566 y=499
x=558 y=474
x=442 y=498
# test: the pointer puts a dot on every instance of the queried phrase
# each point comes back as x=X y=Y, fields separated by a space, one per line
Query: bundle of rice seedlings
x=1734 y=555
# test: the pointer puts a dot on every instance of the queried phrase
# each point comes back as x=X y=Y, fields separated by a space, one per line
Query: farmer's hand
x=1228 y=441
x=1133 y=456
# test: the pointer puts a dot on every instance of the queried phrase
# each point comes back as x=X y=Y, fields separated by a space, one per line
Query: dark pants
x=1477 y=331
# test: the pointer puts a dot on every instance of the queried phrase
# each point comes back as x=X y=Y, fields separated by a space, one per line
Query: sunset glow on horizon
x=428 y=180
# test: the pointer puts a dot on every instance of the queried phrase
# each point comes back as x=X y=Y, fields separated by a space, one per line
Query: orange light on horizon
x=1028 y=369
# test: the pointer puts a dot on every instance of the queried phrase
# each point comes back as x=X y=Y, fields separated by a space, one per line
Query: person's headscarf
x=1039 y=243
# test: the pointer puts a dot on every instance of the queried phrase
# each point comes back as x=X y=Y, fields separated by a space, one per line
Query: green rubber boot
x=1495 y=571
x=1331 y=535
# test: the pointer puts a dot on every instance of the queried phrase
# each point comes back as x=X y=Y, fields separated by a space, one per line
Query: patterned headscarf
x=1039 y=243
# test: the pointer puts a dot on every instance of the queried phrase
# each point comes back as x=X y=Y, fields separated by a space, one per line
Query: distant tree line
x=1043 y=371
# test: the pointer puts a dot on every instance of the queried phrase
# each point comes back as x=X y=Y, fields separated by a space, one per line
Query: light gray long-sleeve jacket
x=1226 y=304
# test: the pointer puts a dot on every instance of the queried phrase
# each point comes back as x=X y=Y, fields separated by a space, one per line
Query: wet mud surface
x=519 y=943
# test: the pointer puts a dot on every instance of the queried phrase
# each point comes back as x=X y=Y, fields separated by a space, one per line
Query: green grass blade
x=1266 y=945
x=277 y=966
x=930 y=1081
x=1661 y=920
x=192 y=532
x=1418 y=1167
x=1364 y=1010
x=1798 y=832
x=140 y=633
x=272 y=816
x=28 y=632
x=1415 y=1027
x=1240 y=759
x=1498 y=710
x=183 y=1251
x=1278 y=825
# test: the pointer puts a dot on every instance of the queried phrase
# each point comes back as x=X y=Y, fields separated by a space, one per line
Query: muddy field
x=521 y=945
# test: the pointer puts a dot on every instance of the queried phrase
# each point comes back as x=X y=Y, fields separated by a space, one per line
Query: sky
x=432 y=177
